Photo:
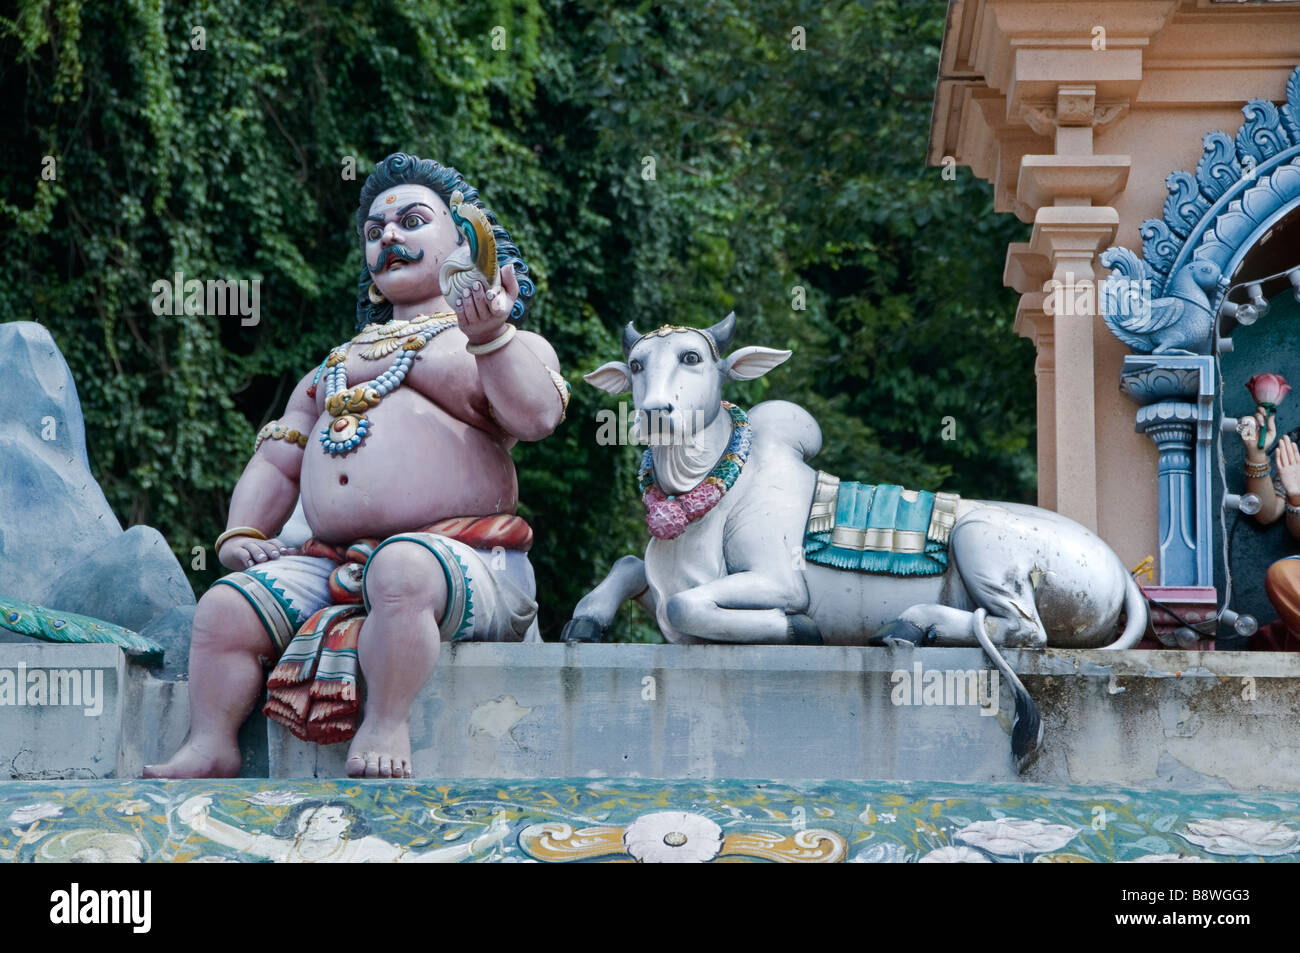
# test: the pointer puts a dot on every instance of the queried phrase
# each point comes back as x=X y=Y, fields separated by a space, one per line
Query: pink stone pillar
x=1070 y=237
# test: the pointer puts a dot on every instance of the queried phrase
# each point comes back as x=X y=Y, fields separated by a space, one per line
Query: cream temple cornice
x=1024 y=78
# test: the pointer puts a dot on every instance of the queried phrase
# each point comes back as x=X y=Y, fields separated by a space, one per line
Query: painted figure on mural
x=398 y=444
x=1277 y=484
x=317 y=832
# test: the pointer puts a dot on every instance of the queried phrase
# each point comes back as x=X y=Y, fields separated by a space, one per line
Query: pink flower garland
x=668 y=519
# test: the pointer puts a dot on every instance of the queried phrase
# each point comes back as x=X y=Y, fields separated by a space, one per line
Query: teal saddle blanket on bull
x=879 y=528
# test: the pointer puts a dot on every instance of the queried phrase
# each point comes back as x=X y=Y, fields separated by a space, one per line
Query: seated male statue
x=1277 y=484
x=398 y=444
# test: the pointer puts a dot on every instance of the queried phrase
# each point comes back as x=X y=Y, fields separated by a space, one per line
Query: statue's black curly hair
x=403 y=169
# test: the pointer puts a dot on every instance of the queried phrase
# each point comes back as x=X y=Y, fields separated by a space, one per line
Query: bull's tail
x=1139 y=617
x=1027 y=727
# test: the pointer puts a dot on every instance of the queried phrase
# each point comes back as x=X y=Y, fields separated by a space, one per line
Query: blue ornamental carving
x=1164 y=305
x=1180 y=322
x=1164 y=302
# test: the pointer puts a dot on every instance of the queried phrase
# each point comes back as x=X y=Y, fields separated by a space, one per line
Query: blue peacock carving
x=1180 y=322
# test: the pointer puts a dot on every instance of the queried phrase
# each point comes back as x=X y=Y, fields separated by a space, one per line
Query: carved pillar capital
x=1171 y=425
x=1074 y=106
x=1071 y=237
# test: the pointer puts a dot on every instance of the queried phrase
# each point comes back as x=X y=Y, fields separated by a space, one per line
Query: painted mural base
x=626 y=820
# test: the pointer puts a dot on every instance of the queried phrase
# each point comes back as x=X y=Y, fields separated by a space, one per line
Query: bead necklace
x=347 y=404
x=668 y=516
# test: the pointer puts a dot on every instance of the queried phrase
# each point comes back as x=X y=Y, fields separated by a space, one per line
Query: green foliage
x=774 y=168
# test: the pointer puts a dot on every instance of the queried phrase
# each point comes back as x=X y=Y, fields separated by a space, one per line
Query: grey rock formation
x=60 y=544
x=171 y=630
x=130 y=581
x=52 y=512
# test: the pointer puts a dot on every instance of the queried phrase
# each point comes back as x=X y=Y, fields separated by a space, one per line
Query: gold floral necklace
x=380 y=340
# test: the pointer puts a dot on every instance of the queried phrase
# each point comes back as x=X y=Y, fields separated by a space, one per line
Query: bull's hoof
x=804 y=631
x=900 y=632
x=582 y=630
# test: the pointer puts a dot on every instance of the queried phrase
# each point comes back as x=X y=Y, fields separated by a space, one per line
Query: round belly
x=417 y=465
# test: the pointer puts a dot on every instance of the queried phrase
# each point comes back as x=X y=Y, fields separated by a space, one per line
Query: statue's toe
x=582 y=630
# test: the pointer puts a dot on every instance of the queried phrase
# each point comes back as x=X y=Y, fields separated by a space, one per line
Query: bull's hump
x=789 y=424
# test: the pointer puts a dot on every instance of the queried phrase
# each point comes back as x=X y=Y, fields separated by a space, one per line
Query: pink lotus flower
x=1268 y=389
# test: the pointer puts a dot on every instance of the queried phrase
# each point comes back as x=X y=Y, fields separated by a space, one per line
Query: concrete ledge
x=127 y=719
x=1190 y=720
x=61 y=710
x=1193 y=721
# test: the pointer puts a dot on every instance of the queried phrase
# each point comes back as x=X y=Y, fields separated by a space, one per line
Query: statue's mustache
x=393 y=251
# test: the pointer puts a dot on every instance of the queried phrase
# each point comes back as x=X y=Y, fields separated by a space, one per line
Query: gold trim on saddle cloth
x=881 y=540
x=821 y=519
x=943 y=517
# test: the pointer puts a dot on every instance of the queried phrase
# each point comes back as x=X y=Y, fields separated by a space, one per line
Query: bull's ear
x=749 y=363
x=613 y=378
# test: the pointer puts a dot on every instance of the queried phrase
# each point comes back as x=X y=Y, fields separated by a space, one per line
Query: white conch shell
x=463 y=268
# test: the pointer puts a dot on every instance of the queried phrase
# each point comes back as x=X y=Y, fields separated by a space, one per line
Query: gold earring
x=376 y=297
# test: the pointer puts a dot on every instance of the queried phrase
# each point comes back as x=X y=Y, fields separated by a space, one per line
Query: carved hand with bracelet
x=482 y=312
x=1248 y=429
x=243 y=547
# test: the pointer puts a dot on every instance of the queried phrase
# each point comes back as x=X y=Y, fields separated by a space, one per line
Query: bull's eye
x=691 y=357
x=635 y=366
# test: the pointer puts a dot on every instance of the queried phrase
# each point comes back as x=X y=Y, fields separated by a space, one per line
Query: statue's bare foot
x=380 y=751
x=195 y=762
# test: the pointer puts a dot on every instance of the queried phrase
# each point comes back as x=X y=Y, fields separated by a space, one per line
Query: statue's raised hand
x=1249 y=427
x=244 y=552
x=1288 y=468
x=482 y=311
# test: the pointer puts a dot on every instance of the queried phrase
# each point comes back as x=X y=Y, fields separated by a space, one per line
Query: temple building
x=1169 y=131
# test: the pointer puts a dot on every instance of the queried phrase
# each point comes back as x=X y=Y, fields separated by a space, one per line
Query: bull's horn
x=630 y=336
x=723 y=332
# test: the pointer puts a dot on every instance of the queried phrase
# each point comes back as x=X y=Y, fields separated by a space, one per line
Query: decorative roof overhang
x=1243 y=185
x=1004 y=64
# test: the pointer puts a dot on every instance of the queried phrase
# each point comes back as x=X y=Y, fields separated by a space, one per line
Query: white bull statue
x=751 y=545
